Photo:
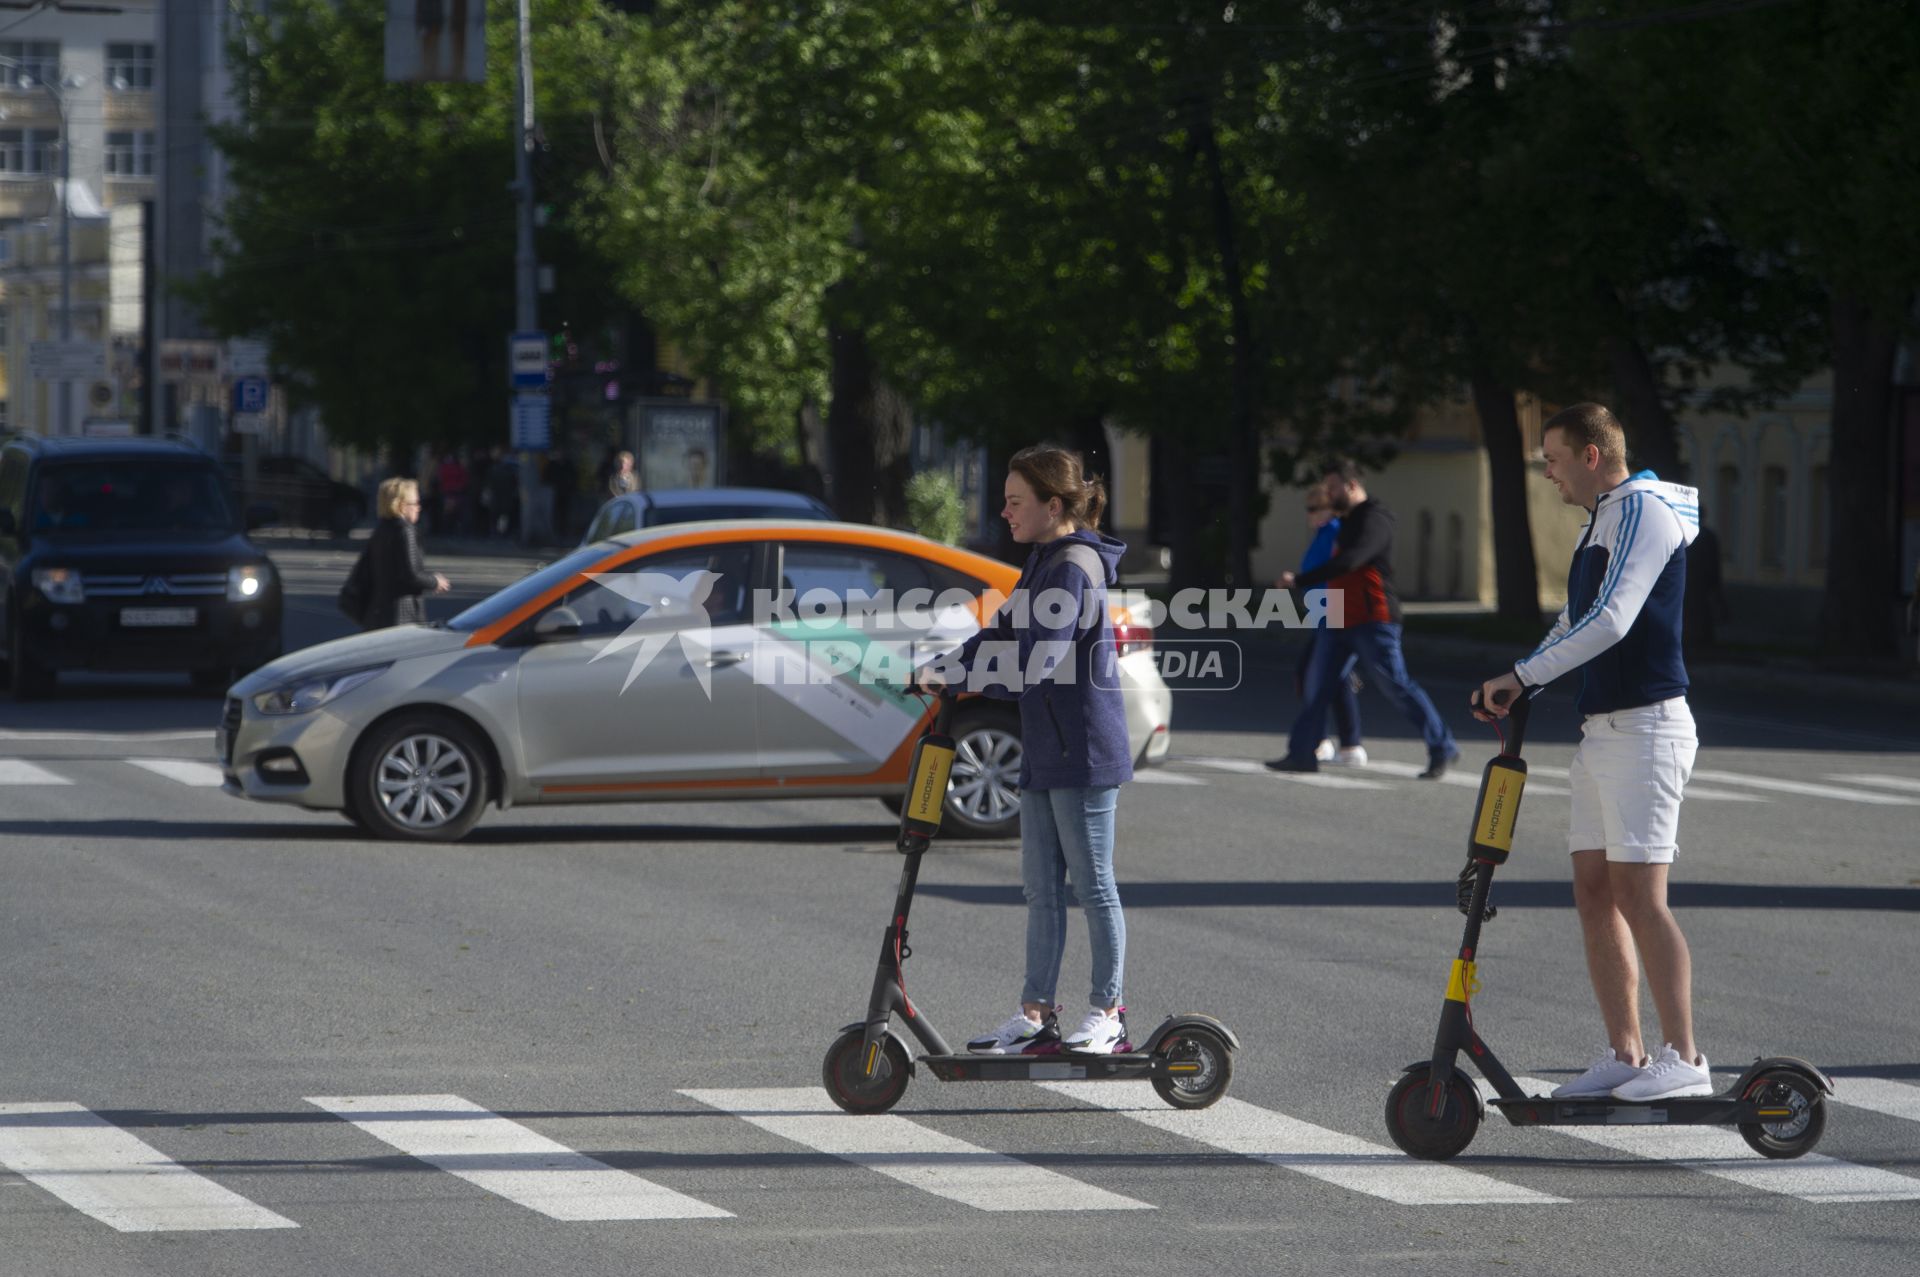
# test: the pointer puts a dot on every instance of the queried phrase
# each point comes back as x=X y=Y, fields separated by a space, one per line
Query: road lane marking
x=911 y=1153
x=18 y=771
x=1879 y=1095
x=1166 y=778
x=126 y=1184
x=509 y=1160
x=1720 y=1152
x=1250 y=767
x=1693 y=790
x=1906 y=783
x=184 y=770
x=1808 y=788
x=1235 y=1126
x=34 y=734
x=1460 y=779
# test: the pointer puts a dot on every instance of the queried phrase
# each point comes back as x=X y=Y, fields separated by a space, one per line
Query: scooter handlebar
x=1518 y=706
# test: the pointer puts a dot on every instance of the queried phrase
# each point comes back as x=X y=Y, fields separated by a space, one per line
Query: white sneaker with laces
x=1018 y=1033
x=1098 y=1034
x=1349 y=756
x=1605 y=1073
x=1324 y=750
x=1668 y=1078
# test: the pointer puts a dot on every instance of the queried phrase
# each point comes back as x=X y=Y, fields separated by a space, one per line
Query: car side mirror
x=558 y=623
x=261 y=514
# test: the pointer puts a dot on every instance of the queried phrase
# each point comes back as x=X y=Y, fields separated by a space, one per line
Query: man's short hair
x=1345 y=468
x=1591 y=423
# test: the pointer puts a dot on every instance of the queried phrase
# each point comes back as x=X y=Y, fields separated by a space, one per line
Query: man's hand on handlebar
x=1496 y=697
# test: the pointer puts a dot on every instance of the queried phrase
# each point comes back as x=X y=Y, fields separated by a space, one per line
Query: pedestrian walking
x=623 y=479
x=1359 y=574
x=397 y=576
x=1055 y=630
x=1621 y=629
x=1350 y=752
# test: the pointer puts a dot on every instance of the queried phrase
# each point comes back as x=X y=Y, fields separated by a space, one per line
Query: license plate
x=158 y=616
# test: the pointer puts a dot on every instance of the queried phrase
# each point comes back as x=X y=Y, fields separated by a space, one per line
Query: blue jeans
x=1062 y=832
x=1377 y=644
x=1346 y=704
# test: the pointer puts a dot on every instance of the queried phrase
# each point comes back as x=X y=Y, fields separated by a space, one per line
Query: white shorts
x=1628 y=777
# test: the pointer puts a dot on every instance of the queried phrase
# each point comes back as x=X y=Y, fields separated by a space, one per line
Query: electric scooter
x=1188 y=1058
x=1778 y=1104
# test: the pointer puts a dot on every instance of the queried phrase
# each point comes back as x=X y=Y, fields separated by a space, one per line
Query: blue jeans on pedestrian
x=1377 y=644
x=1346 y=703
x=1070 y=832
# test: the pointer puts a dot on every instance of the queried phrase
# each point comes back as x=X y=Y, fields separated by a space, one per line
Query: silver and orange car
x=649 y=667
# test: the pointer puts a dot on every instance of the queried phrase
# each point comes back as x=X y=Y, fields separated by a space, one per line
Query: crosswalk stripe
x=509 y=1160
x=1165 y=778
x=114 y=1177
x=1459 y=779
x=911 y=1153
x=1693 y=790
x=1345 y=1161
x=184 y=770
x=18 y=771
x=1879 y=1095
x=1809 y=788
x=1906 y=783
x=1720 y=1152
x=1249 y=767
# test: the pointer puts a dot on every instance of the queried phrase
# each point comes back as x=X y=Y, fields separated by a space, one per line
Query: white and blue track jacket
x=1621 y=625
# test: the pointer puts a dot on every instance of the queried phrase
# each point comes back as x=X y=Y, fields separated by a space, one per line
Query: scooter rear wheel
x=847 y=1082
x=1796 y=1135
x=1420 y=1134
x=1212 y=1068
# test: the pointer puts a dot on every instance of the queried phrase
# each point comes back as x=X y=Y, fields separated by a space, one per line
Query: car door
x=830 y=702
x=644 y=676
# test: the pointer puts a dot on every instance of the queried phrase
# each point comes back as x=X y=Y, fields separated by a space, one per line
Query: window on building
x=1817 y=518
x=130 y=154
x=1726 y=509
x=31 y=63
x=1773 y=517
x=129 y=67
x=28 y=152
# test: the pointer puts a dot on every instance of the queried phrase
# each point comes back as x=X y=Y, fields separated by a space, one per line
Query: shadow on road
x=485 y=836
x=1429 y=895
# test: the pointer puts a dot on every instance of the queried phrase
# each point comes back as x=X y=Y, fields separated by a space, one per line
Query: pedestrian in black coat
x=397 y=572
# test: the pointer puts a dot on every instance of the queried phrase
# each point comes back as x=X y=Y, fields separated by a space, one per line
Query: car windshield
x=697 y=513
x=499 y=606
x=130 y=495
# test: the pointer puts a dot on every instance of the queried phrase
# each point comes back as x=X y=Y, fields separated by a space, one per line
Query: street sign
x=527 y=361
x=250 y=394
x=246 y=357
x=66 y=360
x=184 y=359
x=248 y=423
x=532 y=422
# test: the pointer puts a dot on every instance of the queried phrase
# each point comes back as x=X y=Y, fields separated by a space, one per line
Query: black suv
x=127 y=554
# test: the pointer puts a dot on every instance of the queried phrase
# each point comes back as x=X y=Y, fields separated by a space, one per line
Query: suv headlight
x=247 y=584
x=59 y=585
x=305 y=694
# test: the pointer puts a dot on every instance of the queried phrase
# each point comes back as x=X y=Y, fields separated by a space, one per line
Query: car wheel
x=420 y=777
x=27 y=678
x=983 y=789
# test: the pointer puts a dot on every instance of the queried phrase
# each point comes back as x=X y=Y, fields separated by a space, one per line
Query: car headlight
x=305 y=694
x=59 y=585
x=246 y=584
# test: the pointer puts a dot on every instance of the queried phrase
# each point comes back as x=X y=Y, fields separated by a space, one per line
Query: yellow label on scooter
x=926 y=788
x=1500 y=788
x=1462 y=983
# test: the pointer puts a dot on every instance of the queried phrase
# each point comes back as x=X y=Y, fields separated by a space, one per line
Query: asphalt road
x=239 y=1039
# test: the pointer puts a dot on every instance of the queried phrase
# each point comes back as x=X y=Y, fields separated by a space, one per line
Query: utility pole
x=525 y=303
x=66 y=252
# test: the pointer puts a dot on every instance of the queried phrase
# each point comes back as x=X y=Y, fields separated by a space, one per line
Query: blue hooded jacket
x=1073 y=720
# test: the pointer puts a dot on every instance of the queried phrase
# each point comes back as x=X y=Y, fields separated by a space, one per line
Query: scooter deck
x=1691 y=1110
x=1053 y=1066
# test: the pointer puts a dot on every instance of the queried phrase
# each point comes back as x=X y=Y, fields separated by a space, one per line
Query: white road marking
x=32 y=734
x=18 y=771
x=1693 y=790
x=1165 y=778
x=102 y=1171
x=1251 y=767
x=1461 y=779
x=1345 y=1161
x=509 y=1160
x=1720 y=1152
x=911 y=1153
x=184 y=770
x=1906 y=783
x=1880 y=1095
x=1807 y=788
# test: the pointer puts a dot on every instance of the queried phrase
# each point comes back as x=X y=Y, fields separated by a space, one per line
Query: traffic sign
x=532 y=422
x=66 y=360
x=250 y=394
x=246 y=357
x=527 y=361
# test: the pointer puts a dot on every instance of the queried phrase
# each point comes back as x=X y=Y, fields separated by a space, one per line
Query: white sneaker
x=1324 y=750
x=1016 y=1035
x=1349 y=756
x=1098 y=1034
x=1605 y=1073
x=1668 y=1078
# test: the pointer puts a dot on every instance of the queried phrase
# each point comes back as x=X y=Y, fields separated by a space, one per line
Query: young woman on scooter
x=1050 y=648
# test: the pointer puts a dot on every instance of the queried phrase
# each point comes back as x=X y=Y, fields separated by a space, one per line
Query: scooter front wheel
x=1198 y=1066
x=1417 y=1131
x=1804 y=1109
x=852 y=1086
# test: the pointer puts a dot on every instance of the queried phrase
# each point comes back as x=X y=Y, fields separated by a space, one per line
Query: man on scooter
x=1621 y=630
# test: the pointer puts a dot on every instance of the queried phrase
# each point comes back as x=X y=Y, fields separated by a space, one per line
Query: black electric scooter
x=1779 y=1103
x=1188 y=1058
